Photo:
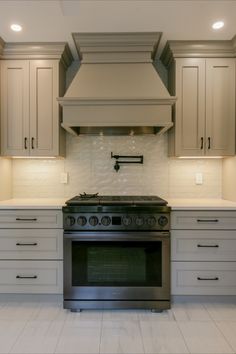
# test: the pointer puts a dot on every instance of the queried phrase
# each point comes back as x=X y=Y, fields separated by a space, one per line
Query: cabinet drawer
x=31 y=244
x=203 y=220
x=31 y=277
x=45 y=219
x=203 y=245
x=203 y=278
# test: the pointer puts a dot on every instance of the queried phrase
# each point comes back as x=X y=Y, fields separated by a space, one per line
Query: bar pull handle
x=208 y=246
x=25 y=143
x=202 y=143
x=207 y=220
x=200 y=278
x=26 y=219
x=209 y=142
x=32 y=143
x=26 y=244
x=26 y=277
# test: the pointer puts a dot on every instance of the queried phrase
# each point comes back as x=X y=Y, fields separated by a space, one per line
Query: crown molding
x=49 y=50
x=198 y=49
x=117 y=47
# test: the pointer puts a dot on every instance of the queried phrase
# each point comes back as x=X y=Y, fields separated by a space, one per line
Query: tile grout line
x=185 y=342
x=59 y=336
x=99 y=349
x=141 y=332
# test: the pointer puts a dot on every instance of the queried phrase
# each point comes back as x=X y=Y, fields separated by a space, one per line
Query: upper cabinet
x=204 y=114
x=30 y=113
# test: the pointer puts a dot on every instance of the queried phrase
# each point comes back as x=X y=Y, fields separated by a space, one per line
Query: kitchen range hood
x=117 y=90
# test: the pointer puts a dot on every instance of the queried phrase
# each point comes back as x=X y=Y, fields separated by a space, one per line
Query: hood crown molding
x=23 y=50
x=198 y=49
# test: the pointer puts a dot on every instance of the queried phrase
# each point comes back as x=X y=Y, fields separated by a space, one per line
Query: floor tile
x=79 y=337
x=221 y=311
x=204 y=337
x=19 y=310
x=38 y=337
x=229 y=331
x=148 y=315
x=190 y=312
x=121 y=337
x=85 y=315
x=9 y=332
x=50 y=311
x=162 y=337
x=128 y=315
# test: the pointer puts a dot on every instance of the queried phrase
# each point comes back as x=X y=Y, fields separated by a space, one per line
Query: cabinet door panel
x=15 y=107
x=190 y=106
x=220 y=106
x=44 y=107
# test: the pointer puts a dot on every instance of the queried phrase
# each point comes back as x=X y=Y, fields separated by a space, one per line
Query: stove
x=116 y=252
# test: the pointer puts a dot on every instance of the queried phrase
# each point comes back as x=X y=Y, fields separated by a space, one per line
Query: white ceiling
x=55 y=20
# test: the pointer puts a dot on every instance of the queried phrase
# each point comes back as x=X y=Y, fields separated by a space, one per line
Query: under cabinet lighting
x=218 y=25
x=16 y=27
x=200 y=157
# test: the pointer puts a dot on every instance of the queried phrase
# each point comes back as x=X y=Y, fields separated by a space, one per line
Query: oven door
x=116 y=266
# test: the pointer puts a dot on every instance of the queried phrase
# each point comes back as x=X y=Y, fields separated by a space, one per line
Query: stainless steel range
x=116 y=252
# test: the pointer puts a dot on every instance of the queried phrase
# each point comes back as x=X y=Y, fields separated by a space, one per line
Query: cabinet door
x=44 y=117
x=190 y=107
x=220 y=106
x=15 y=107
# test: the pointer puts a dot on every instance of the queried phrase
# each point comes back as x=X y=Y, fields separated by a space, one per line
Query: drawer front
x=203 y=245
x=46 y=219
x=31 y=244
x=204 y=220
x=203 y=278
x=42 y=277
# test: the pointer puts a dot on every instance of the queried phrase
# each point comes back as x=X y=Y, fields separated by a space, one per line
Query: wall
x=5 y=178
x=229 y=179
x=90 y=169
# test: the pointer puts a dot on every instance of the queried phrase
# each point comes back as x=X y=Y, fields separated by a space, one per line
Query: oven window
x=116 y=263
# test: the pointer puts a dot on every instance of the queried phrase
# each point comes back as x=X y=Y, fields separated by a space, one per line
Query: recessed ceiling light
x=217 y=25
x=15 y=27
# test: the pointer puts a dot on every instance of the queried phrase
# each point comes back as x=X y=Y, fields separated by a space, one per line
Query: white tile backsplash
x=90 y=169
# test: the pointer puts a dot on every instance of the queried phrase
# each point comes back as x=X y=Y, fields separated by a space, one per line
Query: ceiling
x=55 y=20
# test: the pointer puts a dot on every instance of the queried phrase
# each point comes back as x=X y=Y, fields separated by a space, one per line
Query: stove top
x=96 y=199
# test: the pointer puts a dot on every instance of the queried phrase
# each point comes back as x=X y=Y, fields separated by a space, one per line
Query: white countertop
x=33 y=203
x=201 y=204
x=176 y=204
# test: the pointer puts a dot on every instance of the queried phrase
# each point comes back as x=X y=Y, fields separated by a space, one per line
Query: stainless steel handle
x=209 y=143
x=208 y=246
x=202 y=143
x=26 y=277
x=25 y=143
x=26 y=219
x=207 y=220
x=26 y=244
x=32 y=143
x=200 y=278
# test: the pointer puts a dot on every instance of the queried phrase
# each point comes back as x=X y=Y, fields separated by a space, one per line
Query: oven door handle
x=117 y=236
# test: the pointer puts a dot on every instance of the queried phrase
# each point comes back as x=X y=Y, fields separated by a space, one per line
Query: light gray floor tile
x=128 y=315
x=204 y=337
x=148 y=315
x=120 y=337
x=221 y=311
x=19 y=311
x=9 y=332
x=162 y=337
x=228 y=329
x=38 y=337
x=190 y=312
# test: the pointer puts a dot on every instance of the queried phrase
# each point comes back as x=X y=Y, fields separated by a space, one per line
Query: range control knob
x=93 y=220
x=151 y=221
x=70 y=220
x=162 y=221
x=106 y=220
x=127 y=220
x=81 y=221
x=139 y=221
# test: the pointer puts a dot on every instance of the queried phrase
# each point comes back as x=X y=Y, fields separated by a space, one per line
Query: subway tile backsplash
x=91 y=170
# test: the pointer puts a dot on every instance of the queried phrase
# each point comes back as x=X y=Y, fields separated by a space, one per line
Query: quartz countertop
x=201 y=204
x=33 y=203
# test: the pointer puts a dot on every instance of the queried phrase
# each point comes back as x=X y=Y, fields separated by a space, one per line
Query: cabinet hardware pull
x=209 y=143
x=207 y=220
x=26 y=244
x=26 y=277
x=213 y=246
x=23 y=219
x=201 y=143
x=25 y=143
x=199 y=278
x=32 y=143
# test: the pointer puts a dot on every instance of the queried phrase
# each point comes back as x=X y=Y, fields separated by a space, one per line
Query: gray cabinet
x=204 y=113
x=32 y=77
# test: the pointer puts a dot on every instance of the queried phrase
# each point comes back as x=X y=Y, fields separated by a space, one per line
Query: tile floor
x=44 y=327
